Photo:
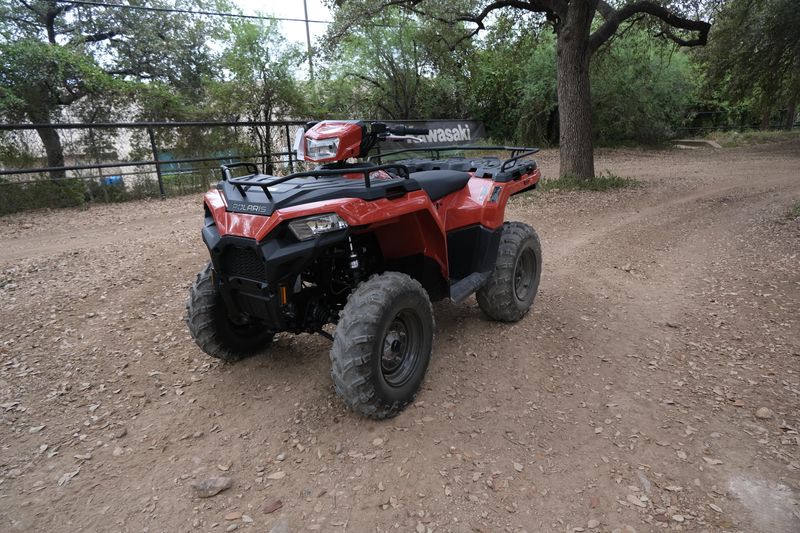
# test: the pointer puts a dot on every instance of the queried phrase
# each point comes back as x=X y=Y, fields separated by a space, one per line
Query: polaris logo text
x=249 y=208
x=439 y=135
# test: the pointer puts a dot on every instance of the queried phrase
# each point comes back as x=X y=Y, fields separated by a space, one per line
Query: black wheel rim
x=400 y=348
x=524 y=273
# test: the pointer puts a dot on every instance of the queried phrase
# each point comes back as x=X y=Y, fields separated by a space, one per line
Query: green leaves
x=641 y=89
x=257 y=73
x=754 y=52
x=394 y=64
x=37 y=75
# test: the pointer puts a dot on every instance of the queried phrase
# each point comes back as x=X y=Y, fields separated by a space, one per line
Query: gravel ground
x=655 y=385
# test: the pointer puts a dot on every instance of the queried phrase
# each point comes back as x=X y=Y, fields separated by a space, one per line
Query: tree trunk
x=765 y=120
x=574 y=97
x=52 y=144
x=791 y=111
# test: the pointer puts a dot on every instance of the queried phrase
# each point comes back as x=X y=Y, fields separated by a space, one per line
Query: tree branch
x=72 y=95
x=554 y=9
x=97 y=37
x=29 y=7
x=532 y=5
x=50 y=20
x=614 y=17
x=365 y=78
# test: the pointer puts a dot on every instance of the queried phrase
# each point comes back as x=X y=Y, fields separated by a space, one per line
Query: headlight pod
x=321 y=149
x=309 y=227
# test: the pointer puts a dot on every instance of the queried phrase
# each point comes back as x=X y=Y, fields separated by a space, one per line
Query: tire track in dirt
x=653 y=296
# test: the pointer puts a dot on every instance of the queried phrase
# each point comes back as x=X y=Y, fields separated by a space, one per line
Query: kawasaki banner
x=440 y=133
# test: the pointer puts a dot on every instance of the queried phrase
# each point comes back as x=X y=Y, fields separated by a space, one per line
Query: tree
x=396 y=67
x=54 y=54
x=754 y=55
x=642 y=89
x=578 y=36
x=512 y=82
x=257 y=83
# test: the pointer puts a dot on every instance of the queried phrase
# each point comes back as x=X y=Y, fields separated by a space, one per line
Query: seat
x=440 y=183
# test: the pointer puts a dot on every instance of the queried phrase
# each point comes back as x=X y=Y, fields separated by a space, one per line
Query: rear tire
x=511 y=288
x=382 y=345
x=212 y=328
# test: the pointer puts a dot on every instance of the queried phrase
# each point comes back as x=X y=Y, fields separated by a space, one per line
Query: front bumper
x=249 y=273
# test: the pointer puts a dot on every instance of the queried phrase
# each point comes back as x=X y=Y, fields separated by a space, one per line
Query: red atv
x=365 y=246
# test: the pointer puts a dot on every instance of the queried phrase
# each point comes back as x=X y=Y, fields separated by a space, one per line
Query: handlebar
x=416 y=131
x=381 y=128
x=402 y=129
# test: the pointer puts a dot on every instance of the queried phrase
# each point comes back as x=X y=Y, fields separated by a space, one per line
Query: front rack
x=255 y=179
x=517 y=152
x=264 y=182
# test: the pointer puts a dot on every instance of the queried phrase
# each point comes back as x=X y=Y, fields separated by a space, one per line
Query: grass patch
x=603 y=182
x=794 y=211
x=732 y=139
x=44 y=193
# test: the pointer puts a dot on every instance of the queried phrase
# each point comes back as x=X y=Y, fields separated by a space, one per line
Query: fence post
x=289 y=147
x=158 y=162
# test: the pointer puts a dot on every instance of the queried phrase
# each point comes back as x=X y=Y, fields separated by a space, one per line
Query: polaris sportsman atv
x=366 y=246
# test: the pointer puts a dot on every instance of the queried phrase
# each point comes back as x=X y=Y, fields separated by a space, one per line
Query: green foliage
x=397 y=66
x=13 y=152
x=54 y=54
x=512 y=84
x=258 y=64
x=36 y=77
x=41 y=193
x=100 y=61
x=113 y=64
x=794 y=212
x=603 y=182
x=753 y=56
x=641 y=90
x=537 y=108
x=107 y=64
x=38 y=194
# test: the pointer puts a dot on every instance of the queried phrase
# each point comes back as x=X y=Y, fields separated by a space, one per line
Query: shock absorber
x=354 y=263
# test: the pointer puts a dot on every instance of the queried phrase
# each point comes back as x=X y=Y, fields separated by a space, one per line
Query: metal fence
x=699 y=123
x=272 y=142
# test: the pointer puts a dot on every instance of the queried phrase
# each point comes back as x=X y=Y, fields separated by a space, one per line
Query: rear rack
x=517 y=152
x=264 y=181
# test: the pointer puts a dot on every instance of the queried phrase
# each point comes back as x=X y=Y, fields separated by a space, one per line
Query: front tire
x=382 y=345
x=511 y=288
x=213 y=330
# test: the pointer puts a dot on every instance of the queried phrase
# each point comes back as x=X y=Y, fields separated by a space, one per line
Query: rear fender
x=524 y=183
x=482 y=202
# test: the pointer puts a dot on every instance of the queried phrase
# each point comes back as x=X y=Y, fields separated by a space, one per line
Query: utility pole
x=308 y=41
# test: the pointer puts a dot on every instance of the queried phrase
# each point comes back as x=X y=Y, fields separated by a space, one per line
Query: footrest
x=461 y=289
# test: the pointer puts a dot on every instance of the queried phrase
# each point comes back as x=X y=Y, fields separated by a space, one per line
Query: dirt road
x=655 y=386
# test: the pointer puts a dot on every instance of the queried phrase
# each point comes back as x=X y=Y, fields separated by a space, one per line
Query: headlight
x=319 y=149
x=308 y=228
